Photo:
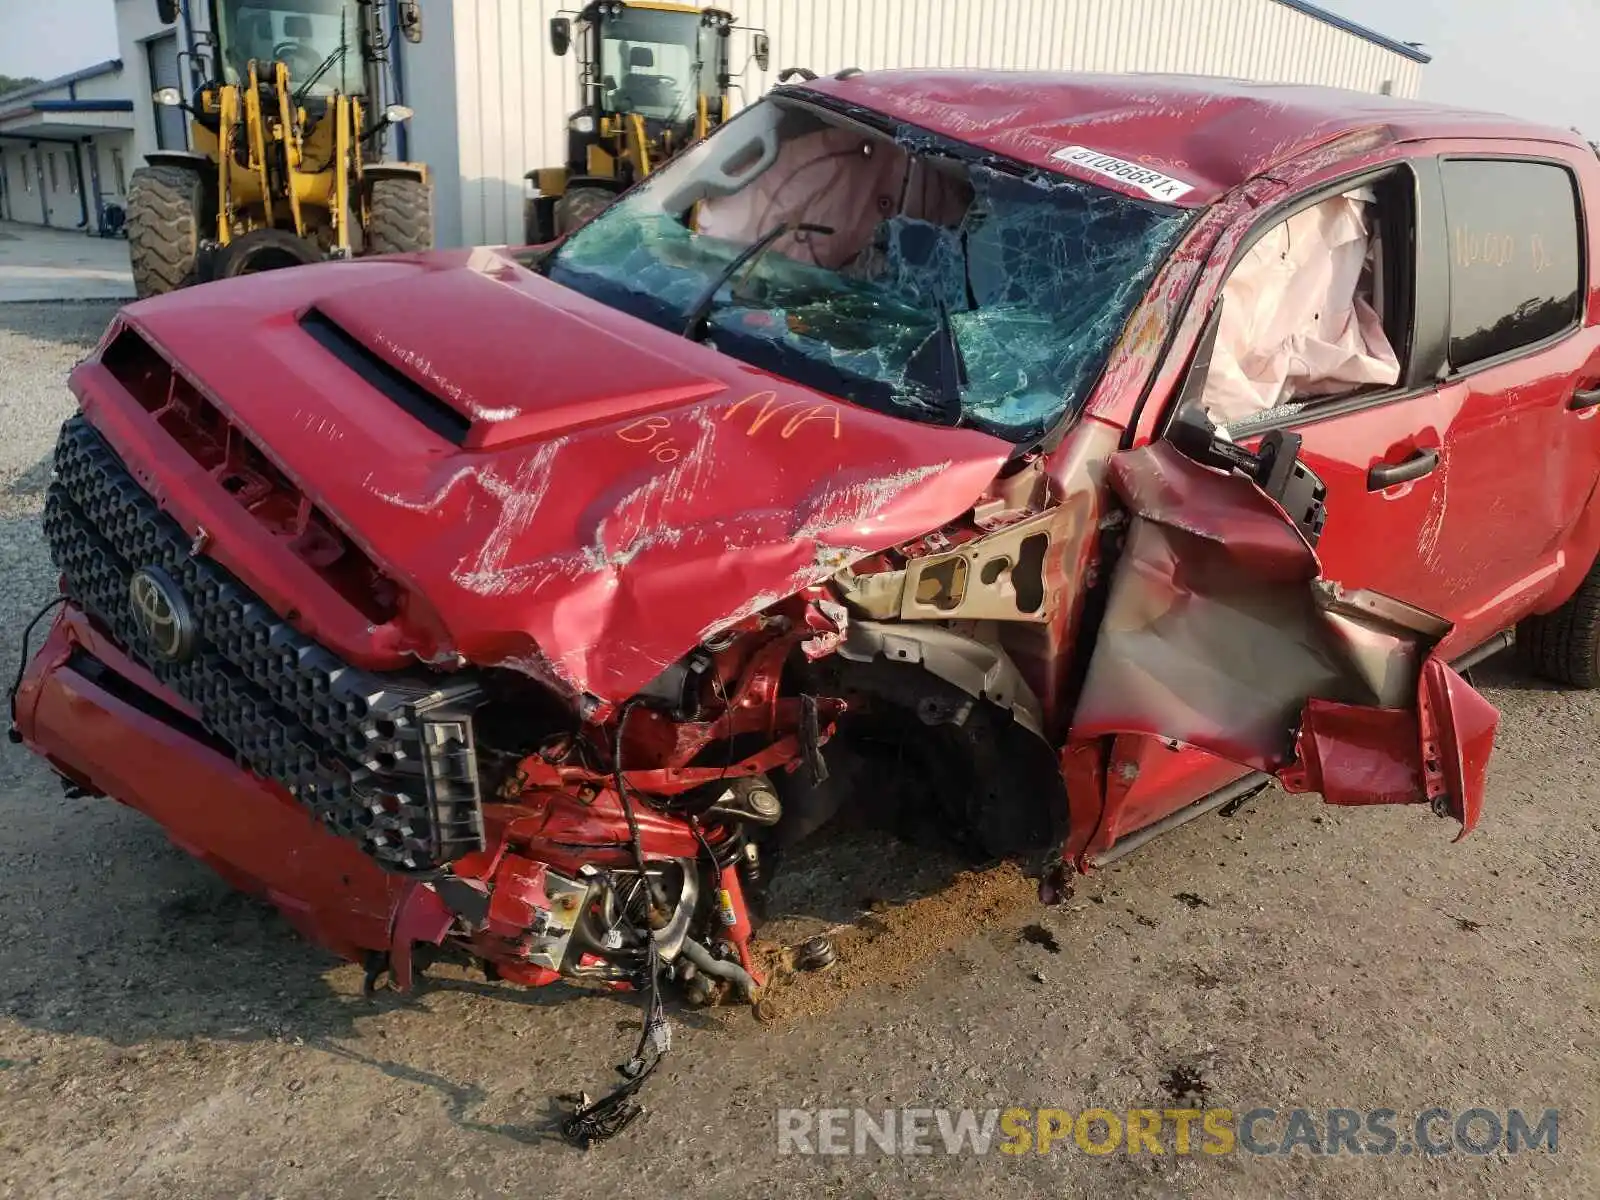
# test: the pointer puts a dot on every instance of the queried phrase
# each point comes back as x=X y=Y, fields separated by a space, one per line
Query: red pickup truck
x=1061 y=455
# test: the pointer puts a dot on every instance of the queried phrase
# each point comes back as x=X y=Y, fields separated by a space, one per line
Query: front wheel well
x=932 y=758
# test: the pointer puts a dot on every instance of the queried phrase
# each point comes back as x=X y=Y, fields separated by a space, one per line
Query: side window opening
x=1316 y=310
x=1515 y=270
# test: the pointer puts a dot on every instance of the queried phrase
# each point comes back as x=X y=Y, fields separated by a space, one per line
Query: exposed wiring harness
x=625 y=798
x=22 y=662
x=598 y=1120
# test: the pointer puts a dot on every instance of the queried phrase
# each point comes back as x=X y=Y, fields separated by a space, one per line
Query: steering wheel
x=301 y=60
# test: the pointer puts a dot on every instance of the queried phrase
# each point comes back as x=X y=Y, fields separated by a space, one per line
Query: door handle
x=1584 y=399
x=1388 y=474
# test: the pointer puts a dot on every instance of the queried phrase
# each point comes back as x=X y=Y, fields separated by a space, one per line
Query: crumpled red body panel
x=1357 y=755
x=1218 y=634
x=1462 y=726
x=616 y=498
x=1243 y=527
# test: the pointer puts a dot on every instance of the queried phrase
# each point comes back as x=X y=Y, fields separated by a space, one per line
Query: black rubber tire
x=401 y=220
x=166 y=208
x=539 y=220
x=576 y=207
x=264 y=250
x=1564 y=646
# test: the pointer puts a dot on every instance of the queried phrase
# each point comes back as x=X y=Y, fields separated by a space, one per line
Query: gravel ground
x=162 y=1036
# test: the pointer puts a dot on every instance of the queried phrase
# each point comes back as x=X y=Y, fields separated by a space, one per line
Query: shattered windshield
x=905 y=274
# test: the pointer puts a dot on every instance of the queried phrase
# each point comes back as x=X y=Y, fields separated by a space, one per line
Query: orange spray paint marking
x=771 y=408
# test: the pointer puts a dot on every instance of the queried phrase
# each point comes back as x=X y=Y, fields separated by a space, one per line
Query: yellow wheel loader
x=654 y=78
x=284 y=168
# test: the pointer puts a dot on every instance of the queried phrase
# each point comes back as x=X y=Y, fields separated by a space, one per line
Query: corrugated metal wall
x=512 y=95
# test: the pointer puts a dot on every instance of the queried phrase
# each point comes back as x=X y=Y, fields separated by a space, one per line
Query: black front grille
x=386 y=759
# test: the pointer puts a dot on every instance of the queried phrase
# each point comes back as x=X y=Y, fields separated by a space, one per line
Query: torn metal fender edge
x=1221 y=633
x=421 y=916
x=1354 y=755
x=1254 y=781
x=979 y=668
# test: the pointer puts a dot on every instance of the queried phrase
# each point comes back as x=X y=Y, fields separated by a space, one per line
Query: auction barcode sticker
x=1151 y=183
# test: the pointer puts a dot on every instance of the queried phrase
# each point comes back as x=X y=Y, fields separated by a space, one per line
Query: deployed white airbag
x=839 y=178
x=1295 y=322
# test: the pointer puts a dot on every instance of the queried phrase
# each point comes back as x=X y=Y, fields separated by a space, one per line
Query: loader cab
x=320 y=41
x=652 y=78
x=659 y=69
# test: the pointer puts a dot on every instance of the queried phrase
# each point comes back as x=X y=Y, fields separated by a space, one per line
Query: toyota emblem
x=162 y=613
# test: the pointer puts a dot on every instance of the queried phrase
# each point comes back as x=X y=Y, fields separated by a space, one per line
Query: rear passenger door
x=1518 y=390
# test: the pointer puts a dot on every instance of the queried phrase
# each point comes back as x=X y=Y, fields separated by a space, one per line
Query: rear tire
x=264 y=250
x=166 y=208
x=576 y=207
x=1564 y=646
x=401 y=220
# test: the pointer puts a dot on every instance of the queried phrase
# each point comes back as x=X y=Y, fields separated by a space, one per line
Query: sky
x=1532 y=58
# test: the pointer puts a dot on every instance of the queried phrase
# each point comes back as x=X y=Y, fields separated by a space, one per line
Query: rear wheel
x=1564 y=646
x=402 y=216
x=576 y=207
x=264 y=250
x=166 y=208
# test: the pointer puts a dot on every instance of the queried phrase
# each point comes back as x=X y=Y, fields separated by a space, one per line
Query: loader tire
x=166 y=208
x=402 y=216
x=576 y=207
x=1564 y=646
x=264 y=250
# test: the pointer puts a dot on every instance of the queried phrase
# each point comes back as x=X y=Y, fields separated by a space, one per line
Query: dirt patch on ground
x=892 y=947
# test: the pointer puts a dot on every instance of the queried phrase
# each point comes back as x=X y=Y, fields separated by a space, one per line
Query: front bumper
x=105 y=723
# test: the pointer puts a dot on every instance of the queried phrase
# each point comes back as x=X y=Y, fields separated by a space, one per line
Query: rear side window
x=1514 y=254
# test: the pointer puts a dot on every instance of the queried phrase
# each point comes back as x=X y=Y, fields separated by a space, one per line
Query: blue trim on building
x=74 y=106
x=1361 y=31
x=63 y=81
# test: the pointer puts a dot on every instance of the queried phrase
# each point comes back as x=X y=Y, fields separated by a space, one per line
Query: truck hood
x=574 y=492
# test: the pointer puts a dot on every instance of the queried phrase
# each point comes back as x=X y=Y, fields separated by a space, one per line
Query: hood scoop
x=490 y=358
x=384 y=377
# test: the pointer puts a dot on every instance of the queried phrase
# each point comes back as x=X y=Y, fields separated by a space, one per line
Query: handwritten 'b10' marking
x=652 y=433
x=799 y=414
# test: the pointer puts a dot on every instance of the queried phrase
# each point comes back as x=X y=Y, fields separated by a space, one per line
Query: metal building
x=66 y=150
x=496 y=99
x=492 y=100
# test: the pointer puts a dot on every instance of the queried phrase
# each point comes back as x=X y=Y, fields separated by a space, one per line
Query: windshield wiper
x=694 y=325
x=304 y=89
x=328 y=63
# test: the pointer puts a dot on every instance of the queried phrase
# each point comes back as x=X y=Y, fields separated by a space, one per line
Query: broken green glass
x=1038 y=277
